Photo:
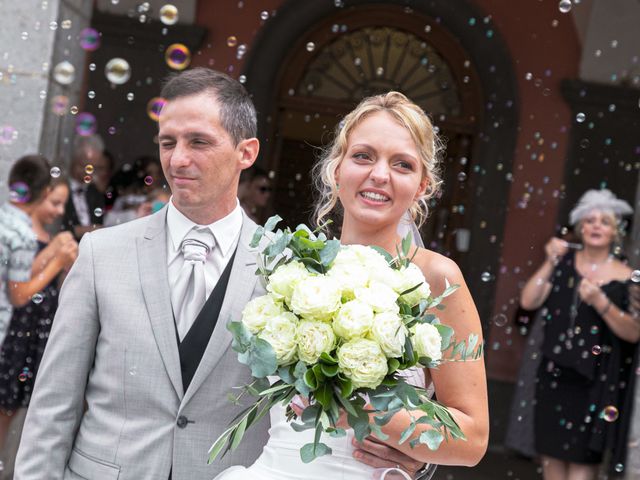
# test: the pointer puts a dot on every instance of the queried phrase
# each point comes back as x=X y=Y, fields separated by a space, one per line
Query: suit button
x=182 y=421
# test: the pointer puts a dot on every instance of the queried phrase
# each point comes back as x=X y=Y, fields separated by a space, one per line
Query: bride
x=382 y=164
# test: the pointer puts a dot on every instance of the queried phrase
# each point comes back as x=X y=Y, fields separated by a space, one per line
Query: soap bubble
x=500 y=320
x=55 y=172
x=596 y=350
x=154 y=106
x=311 y=46
x=580 y=117
x=89 y=39
x=609 y=414
x=64 y=73
x=8 y=135
x=98 y=212
x=37 y=298
x=169 y=14
x=485 y=277
x=19 y=192
x=86 y=124
x=635 y=276
x=232 y=41
x=564 y=6
x=118 y=71
x=177 y=56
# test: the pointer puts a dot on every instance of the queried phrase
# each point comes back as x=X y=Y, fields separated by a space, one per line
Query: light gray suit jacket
x=113 y=344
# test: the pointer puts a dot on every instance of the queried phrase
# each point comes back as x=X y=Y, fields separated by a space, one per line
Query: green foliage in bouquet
x=337 y=327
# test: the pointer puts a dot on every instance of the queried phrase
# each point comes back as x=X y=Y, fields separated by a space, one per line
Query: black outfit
x=95 y=199
x=585 y=367
x=24 y=345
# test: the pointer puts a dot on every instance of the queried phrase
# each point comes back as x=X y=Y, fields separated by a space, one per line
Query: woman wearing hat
x=584 y=386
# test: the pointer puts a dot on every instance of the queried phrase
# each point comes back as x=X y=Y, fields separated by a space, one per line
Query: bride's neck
x=357 y=233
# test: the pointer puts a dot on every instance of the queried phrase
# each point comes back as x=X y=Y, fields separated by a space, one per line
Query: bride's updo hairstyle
x=407 y=114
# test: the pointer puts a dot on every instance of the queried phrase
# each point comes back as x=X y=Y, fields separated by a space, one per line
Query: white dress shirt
x=226 y=232
x=79 y=199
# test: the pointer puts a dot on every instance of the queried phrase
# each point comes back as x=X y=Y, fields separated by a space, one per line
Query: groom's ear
x=248 y=152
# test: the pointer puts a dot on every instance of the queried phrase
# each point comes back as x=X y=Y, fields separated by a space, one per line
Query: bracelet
x=605 y=309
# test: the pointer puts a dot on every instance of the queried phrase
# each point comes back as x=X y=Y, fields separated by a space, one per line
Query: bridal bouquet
x=337 y=325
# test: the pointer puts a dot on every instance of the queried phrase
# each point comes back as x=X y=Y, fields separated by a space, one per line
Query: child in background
x=30 y=325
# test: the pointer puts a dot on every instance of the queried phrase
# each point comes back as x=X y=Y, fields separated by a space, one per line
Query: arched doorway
x=481 y=135
x=365 y=51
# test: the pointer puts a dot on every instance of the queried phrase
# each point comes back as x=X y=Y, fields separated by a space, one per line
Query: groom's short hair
x=237 y=113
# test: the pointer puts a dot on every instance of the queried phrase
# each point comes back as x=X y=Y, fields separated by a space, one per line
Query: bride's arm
x=460 y=385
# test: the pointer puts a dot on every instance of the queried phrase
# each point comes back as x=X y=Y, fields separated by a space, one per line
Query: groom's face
x=200 y=161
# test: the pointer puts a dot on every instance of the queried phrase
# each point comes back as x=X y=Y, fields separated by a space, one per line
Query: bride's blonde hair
x=407 y=114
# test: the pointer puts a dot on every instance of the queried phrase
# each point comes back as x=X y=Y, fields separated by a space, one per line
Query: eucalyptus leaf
x=260 y=357
x=406 y=245
x=238 y=433
x=360 y=424
x=387 y=256
x=311 y=451
x=272 y=222
x=407 y=433
x=257 y=236
x=432 y=439
x=377 y=431
x=241 y=336
x=337 y=432
x=329 y=252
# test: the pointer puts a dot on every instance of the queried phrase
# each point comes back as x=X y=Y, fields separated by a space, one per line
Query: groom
x=134 y=381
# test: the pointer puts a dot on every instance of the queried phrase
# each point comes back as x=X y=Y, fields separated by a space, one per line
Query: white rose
x=381 y=297
x=284 y=279
x=313 y=338
x=386 y=275
x=363 y=362
x=390 y=332
x=427 y=341
x=258 y=311
x=366 y=256
x=353 y=320
x=280 y=332
x=349 y=276
x=409 y=278
x=316 y=298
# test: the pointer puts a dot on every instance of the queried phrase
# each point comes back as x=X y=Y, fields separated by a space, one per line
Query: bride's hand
x=380 y=455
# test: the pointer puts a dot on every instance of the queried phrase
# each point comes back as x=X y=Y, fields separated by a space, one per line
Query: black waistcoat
x=195 y=342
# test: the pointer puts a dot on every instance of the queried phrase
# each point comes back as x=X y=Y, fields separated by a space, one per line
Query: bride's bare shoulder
x=436 y=268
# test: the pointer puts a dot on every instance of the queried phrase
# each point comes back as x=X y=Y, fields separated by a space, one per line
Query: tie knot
x=197 y=244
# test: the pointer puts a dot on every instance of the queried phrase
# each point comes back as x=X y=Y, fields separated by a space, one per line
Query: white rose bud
x=363 y=362
x=409 y=278
x=258 y=311
x=316 y=298
x=280 y=332
x=313 y=338
x=427 y=341
x=381 y=297
x=284 y=279
x=390 y=332
x=353 y=320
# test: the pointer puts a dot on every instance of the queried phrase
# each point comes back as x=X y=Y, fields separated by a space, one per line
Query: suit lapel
x=152 y=254
x=242 y=282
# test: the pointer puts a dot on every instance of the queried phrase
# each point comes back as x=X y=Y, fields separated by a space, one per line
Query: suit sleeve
x=57 y=404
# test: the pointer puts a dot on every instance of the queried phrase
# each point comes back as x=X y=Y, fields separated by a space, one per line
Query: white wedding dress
x=280 y=459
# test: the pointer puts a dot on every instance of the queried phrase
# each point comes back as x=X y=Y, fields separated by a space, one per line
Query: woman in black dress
x=28 y=332
x=585 y=382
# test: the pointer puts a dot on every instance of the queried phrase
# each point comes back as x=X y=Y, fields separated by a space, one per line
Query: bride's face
x=380 y=175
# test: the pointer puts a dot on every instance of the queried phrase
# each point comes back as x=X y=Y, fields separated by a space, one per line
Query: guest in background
x=89 y=169
x=29 y=180
x=30 y=324
x=584 y=386
x=254 y=193
x=135 y=187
